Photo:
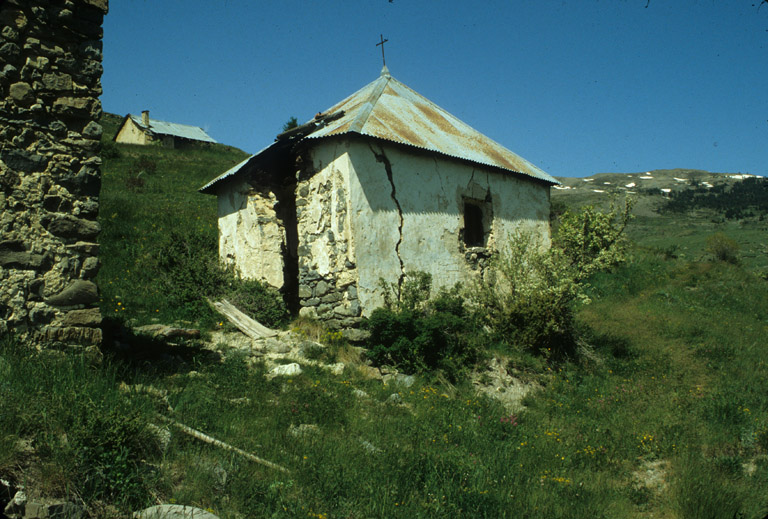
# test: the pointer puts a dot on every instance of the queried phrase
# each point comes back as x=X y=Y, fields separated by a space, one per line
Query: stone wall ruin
x=50 y=56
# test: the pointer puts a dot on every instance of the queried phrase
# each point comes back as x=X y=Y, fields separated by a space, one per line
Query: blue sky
x=575 y=86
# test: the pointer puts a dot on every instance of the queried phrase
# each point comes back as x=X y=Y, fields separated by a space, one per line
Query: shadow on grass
x=143 y=355
x=620 y=348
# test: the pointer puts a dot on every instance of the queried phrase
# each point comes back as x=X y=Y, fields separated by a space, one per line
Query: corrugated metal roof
x=244 y=166
x=176 y=130
x=389 y=110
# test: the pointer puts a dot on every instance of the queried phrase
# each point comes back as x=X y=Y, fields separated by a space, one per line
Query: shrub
x=145 y=164
x=530 y=293
x=109 y=150
x=190 y=272
x=528 y=297
x=135 y=182
x=417 y=334
x=258 y=300
x=723 y=248
x=593 y=240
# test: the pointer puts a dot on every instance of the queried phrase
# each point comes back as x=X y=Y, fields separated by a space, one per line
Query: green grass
x=137 y=218
x=671 y=382
x=677 y=377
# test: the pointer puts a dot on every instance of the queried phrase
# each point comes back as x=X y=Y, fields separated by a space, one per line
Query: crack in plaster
x=437 y=172
x=381 y=157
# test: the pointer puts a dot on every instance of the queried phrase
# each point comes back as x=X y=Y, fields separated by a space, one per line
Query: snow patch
x=599 y=190
x=588 y=179
x=562 y=187
x=631 y=184
x=664 y=190
x=741 y=177
x=679 y=179
x=647 y=178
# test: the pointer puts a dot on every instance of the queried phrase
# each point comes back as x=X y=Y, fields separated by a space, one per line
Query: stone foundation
x=50 y=54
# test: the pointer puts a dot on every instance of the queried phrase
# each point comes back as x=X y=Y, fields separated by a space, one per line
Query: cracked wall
x=406 y=214
x=50 y=54
x=367 y=212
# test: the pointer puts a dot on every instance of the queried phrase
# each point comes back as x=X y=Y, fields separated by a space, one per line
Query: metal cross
x=382 y=42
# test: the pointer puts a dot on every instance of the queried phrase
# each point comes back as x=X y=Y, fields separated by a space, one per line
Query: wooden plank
x=245 y=324
x=218 y=443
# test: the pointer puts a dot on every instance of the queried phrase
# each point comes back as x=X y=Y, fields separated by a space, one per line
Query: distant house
x=143 y=130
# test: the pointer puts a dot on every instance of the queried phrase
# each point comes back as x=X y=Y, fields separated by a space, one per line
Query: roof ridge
x=365 y=112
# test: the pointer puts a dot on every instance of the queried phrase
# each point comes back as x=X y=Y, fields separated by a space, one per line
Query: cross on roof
x=382 y=42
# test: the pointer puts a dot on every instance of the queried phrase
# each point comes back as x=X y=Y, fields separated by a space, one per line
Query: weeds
x=723 y=248
x=417 y=333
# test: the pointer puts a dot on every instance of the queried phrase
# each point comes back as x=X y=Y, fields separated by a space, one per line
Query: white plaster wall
x=429 y=191
x=323 y=223
x=131 y=134
x=251 y=237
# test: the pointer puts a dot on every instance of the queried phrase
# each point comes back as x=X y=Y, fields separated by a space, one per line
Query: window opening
x=474 y=231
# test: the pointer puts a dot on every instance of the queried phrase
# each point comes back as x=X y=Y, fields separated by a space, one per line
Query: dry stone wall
x=50 y=70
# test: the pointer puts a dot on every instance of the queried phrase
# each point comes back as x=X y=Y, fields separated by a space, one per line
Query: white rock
x=305 y=429
x=173 y=512
x=336 y=369
x=286 y=370
x=359 y=393
x=275 y=346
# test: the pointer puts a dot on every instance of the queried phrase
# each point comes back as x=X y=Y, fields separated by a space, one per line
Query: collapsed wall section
x=50 y=54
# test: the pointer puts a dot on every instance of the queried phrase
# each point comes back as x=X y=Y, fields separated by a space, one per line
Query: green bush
x=417 y=334
x=593 y=240
x=528 y=298
x=723 y=248
x=258 y=300
x=190 y=272
x=530 y=294
x=109 y=150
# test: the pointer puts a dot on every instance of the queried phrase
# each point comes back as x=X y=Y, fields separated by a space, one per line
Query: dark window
x=474 y=232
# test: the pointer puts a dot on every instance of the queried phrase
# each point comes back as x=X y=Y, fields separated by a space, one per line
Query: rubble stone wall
x=50 y=61
x=327 y=272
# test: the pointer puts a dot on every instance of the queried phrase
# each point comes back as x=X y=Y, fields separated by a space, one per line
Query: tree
x=292 y=123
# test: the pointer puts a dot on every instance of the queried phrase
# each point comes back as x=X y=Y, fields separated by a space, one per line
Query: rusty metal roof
x=389 y=110
x=177 y=130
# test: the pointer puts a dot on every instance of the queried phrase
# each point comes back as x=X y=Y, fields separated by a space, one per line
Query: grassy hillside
x=663 y=411
x=682 y=234
x=149 y=200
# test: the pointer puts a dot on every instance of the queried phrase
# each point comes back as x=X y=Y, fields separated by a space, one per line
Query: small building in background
x=143 y=130
x=381 y=185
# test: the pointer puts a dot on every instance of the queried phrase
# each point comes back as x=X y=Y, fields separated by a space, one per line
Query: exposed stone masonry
x=327 y=277
x=50 y=60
